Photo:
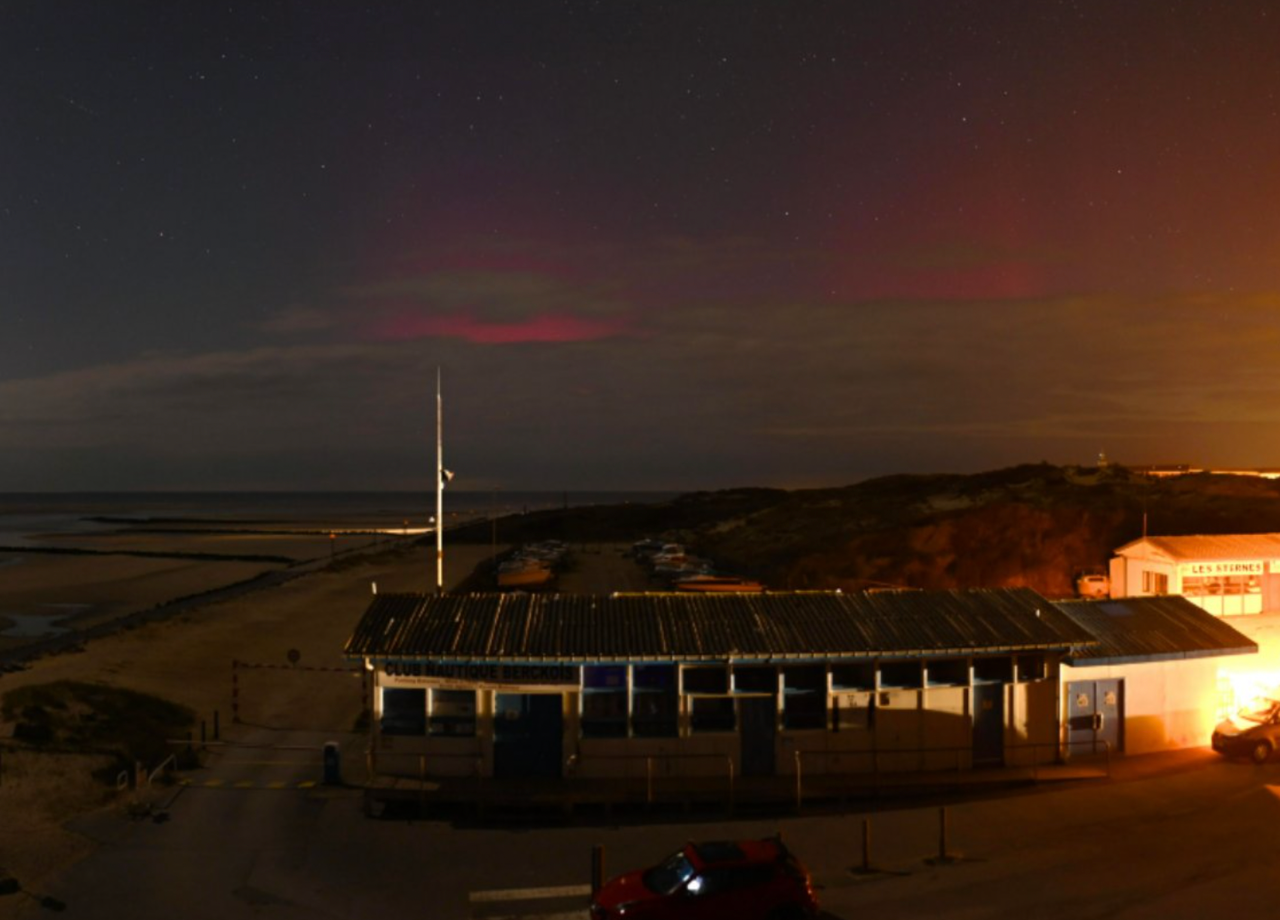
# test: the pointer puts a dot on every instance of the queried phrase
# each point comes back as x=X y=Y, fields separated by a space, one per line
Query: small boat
x=526 y=574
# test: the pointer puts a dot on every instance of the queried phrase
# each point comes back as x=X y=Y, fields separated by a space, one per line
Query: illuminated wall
x=1168 y=705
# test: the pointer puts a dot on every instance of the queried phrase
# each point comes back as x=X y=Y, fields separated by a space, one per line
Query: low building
x=1226 y=575
x=622 y=685
x=1151 y=681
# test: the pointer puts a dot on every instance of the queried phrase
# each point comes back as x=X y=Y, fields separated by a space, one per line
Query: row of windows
x=650 y=708
x=1200 y=586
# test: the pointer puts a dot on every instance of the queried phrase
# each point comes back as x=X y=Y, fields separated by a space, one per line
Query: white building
x=1226 y=575
x=624 y=688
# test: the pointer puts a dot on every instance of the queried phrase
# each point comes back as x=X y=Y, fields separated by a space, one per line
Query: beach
x=186 y=657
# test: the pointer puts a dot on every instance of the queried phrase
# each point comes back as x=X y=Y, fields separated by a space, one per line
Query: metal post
x=235 y=691
x=799 y=785
x=648 y=792
x=730 y=760
x=440 y=474
x=866 y=844
x=217 y=729
x=597 y=867
x=942 y=834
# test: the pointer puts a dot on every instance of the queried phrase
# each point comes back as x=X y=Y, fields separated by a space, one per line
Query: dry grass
x=39 y=792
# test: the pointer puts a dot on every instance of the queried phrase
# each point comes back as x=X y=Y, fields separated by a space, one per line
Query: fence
x=963 y=760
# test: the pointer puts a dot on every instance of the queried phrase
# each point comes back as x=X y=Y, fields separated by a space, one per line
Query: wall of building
x=890 y=730
x=1168 y=705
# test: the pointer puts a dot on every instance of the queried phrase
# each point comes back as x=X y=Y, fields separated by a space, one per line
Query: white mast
x=440 y=476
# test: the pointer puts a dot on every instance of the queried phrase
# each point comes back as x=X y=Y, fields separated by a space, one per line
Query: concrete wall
x=1167 y=704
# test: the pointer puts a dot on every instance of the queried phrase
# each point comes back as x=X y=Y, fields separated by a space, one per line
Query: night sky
x=649 y=245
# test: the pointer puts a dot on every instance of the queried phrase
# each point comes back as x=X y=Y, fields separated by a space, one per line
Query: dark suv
x=741 y=880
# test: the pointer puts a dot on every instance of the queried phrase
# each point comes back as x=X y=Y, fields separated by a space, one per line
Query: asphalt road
x=1193 y=838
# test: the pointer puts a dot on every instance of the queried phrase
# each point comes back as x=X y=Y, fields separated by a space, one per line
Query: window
x=604 y=702
x=853 y=676
x=993 y=670
x=948 y=672
x=905 y=675
x=804 y=700
x=404 y=711
x=712 y=714
x=1155 y=583
x=755 y=679
x=704 y=679
x=1031 y=667
x=655 y=705
x=453 y=712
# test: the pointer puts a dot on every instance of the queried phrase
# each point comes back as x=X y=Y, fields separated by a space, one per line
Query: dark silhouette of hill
x=1033 y=525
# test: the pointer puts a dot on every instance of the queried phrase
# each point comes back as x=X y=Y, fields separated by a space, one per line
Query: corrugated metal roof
x=638 y=627
x=1152 y=629
x=1210 y=546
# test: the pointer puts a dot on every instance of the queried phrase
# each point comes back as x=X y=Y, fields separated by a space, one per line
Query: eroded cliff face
x=1033 y=526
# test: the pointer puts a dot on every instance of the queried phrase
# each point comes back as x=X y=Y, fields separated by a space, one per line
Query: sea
x=25 y=516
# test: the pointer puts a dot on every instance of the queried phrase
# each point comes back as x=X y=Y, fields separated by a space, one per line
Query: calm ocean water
x=24 y=513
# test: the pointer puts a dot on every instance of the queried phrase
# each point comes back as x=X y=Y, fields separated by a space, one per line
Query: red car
x=714 y=881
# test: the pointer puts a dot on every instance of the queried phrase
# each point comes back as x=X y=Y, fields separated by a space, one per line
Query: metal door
x=1095 y=716
x=758 y=719
x=528 y=734
x=988 y=725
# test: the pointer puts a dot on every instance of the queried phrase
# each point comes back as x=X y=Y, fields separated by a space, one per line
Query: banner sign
x=1222 y=568
x=499 y=676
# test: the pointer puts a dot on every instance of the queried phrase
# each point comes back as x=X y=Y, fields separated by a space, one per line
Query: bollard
x=332 y=763
x=866 y=844
x=216 y=732
x=942 y=834
x=235 y=691
x=597 y=867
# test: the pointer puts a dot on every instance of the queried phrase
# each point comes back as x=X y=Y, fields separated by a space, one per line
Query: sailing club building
x=605 y=687
x=1224 y=574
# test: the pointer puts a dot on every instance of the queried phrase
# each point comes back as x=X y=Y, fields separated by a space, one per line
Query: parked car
x=1252 y=732
x=714 y=881
x=1093 y=585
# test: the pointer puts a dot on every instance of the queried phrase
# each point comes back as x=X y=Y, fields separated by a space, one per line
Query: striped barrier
x=237 y=664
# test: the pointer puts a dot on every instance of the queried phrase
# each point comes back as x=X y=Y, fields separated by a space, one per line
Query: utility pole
x=440 y=477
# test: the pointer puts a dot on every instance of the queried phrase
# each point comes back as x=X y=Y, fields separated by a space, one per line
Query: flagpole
x=439 y=489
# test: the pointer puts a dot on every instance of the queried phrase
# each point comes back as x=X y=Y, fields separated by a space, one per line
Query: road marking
x=263 y=763
x=245 y=784
x=530 y=894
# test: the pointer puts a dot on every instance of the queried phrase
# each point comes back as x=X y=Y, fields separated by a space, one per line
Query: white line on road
x=530 y=894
